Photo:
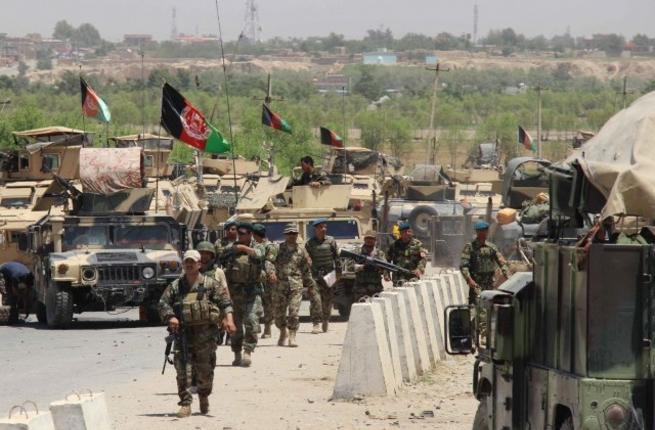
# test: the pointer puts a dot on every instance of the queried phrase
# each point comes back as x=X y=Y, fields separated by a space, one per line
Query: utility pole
x=539 y=92
x=432 y=141
x=625 y=92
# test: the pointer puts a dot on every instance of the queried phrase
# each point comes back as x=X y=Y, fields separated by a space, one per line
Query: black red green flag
x=92 y=105
x=274 y=120
x=331 y=138
x=526 y=140
x=185 y=122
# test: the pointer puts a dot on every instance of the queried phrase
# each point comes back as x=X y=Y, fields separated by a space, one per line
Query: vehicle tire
x=41 y=314
x=419 y=219
x=59 y=307
x=566 y=425
x=481 y=420
x=5 y=314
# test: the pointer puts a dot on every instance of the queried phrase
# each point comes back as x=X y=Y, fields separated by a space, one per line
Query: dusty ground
x=291 y=389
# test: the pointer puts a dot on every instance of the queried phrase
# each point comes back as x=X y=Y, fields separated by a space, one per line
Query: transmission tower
x=174 y=24
x=252 y=29
x=475 y=24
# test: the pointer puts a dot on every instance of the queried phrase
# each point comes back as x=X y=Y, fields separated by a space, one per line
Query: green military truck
x=570 y=345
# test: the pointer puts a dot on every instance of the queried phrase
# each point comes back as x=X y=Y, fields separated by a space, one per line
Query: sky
x=302 y=18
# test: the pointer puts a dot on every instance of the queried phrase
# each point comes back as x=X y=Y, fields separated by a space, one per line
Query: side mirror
x=459 y=330
x=23 y=242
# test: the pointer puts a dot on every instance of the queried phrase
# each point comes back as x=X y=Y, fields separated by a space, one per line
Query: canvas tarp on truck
x=108 y=170
x=620 y=160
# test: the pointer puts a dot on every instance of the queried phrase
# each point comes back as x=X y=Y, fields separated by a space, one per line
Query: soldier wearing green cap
x=479 y=262
x=244 y=261
x=230 y=230
x=324 y=253
x=269 y=277
x=408 y=253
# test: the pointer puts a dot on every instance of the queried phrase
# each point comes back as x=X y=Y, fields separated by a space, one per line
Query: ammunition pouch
x=241 y=270
x=197 y=310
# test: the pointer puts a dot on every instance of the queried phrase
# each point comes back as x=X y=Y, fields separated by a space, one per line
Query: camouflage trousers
x=320 y=301
x=268 y=312
x=362 y=289
x=287 y=295
x=245 y=308
x=199 y=368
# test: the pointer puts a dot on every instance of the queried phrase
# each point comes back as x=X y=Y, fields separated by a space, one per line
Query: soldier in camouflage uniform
x=230 y=237
x=479 y=262
x=269 y=277
x=244 y=261
x=194 y=303
x=294 y=270
x=309 y=175
x=368 y=280
x=407 y=252
x=210 y=268
x=324 y=254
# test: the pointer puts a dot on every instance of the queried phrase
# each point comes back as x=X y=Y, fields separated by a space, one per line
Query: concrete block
x=435 y=291
x=24 y=418
x=428 y=315
x=81 y=412
x=417 y=332
x=403 y=339
x=392 y=336
x=463 y=286
x=365 y=368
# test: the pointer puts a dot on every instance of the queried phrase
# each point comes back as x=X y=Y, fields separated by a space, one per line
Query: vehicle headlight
x=148 y=272
x=88 y=274
x=616 y=415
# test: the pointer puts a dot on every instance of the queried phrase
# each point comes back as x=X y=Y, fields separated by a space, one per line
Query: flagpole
x=82 y=110
x=227 y=100
x=345 y=130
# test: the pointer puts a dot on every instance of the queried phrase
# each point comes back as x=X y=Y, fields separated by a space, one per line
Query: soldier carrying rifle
x=192 y=306
x=368 y=278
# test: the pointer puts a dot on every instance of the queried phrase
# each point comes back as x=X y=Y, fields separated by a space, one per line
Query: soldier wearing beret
x=408 y=253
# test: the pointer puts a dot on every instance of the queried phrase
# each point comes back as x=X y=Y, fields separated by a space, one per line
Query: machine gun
x=374 y=262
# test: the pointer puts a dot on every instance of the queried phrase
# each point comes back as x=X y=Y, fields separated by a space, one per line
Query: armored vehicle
x=570 y=345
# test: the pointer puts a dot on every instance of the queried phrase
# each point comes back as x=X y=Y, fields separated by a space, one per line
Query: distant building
x=190 y=40
x=380 y=58
x=137 y=39
x=431 y=60
x=332 y=84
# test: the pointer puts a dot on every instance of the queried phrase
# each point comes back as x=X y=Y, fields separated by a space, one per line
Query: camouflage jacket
x=533 y=213
x=370 y=274
x=271 y=250
x=324 y=255
x=221 y=245
x=315 y=176
x=411 y=256
x=254 y=267
x=481 y=260
x=215 y=292
x=293 y=266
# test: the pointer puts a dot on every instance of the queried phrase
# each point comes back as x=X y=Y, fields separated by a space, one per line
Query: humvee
x=568 y=346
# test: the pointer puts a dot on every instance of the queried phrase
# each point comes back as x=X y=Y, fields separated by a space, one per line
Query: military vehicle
x=156 y=150
x=105 y=252
x=570 y=345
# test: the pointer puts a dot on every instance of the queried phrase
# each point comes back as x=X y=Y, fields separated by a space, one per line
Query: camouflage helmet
x=206 y=246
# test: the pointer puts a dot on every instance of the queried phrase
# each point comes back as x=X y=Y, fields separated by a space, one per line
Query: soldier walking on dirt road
x=269 y=277
x=192 y=306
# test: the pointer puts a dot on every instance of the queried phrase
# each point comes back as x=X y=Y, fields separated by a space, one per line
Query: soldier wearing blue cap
x=324 y=253
x=408 y=253
x=480 y=260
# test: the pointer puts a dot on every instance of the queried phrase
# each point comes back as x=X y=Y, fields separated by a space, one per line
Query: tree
x=22 y=68
x=367 y=85
x=372 y=126
x=378 y=39
x=612 y=44
x=63 y=30
x=87 y=36
x=400 y=135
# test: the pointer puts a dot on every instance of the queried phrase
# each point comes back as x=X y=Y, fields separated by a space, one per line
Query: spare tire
x=419 y=219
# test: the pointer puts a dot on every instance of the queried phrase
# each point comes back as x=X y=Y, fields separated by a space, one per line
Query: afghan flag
x=526 y=140
x=331 y=138
x=274 y=120
x=186 y=123
x=92 y=105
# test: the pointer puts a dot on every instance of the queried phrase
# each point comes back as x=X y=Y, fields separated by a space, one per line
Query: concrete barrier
x=405 y=350
x=392 y=336
x=426 y=307
x=24 y=418
x=365 y=368
x=463 y=286
x=87 y=411
x=417 y=332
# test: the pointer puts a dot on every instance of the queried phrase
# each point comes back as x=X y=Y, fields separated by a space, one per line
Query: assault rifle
x=178 y=339
x=170 y=341
x=374 y=262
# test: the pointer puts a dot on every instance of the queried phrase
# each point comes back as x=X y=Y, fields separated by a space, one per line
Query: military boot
x=283 y=336
x=316 y=329
x=237 y=358
x=325 y=326
x=204 y=404
x=267 y=331
x=184 y=412
x=292 y=339
x=246 y=360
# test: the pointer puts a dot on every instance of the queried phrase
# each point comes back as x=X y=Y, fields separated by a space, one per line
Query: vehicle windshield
x=275 y=230
x=341 y=229
x=137 y=236
x=80 y=237
x=15 y=202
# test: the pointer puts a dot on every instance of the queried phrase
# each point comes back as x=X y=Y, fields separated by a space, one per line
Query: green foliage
x=63 y=30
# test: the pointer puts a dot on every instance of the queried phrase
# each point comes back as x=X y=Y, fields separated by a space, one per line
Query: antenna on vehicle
x=429 y=156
